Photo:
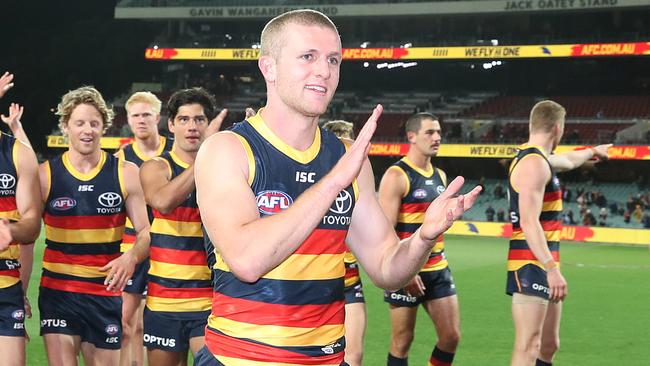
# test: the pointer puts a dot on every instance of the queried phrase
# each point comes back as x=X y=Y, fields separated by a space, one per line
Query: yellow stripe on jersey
x=10 y=215
x=12 y=252
x=120 y=177
x=278 y=335
x=249 y=156
x=303 y=157
x=178 y=305
x=552 y=206
x=439 y=247
x=6 y=281
x=48 y=174
x=349 y=257
x=128 y=223
x=411 y=217
x=436 y=267
x=84 y=176
x=351 y=281
x=176 y=228
x=179 y=271
x=74 y=269
x=304 y=267
x=84 y=236
x=239 y=362
x=125 y=247
x=550 y=235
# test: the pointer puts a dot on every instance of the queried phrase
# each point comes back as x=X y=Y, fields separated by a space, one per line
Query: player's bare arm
x=392 y=189
x=161 y=192
x=252 y=246
x=6 y=83
x=121 y=268
x=30 y=207
x=14 y=124
x=573 y=159
x=529 y=178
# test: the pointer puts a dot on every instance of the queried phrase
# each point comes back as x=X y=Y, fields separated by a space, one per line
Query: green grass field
x=605 y=321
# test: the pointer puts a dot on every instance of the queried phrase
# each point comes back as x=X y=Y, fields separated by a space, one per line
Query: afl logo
x=112 y=329
x=342 y=204
x=7 y=181
x=440 y=189
x=18 y=315
x=110 y=199
x=272 y=202
x=63 y=203
x=420 y=194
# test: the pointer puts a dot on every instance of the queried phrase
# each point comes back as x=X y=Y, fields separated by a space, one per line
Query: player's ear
x=170 y=125
x=267 y=66
x=410 y=135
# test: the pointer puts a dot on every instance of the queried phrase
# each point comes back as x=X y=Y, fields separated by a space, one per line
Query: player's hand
x=15 y=113
x=415 y=287
x=446 y=209
x=557 y=285
x=349 y=166
x=601 y=151
x=215 y=124
x=6 y=83
x=28 y=308
x=5 y=234
x=119 y=270
x=250 y=112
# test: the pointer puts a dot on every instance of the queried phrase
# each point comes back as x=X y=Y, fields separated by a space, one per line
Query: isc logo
x=305 y=177
x=86 y=187
x=272 y=202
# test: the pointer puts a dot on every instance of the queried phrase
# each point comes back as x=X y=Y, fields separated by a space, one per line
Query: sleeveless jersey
x=351 y=269
x=84 y=222
x=9 y=265
x=520 y=254
x=179 y=277
x=131 y=153
x=422 y=188
x=294 y=314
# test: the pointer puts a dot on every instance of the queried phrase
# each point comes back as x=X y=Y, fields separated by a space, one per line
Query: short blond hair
x=271 y=39
x=545 y=115
x=83 y=95
x=144 y=97
x=340 y=128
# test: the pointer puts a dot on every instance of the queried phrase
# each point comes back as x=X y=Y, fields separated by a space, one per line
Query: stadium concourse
x=479 y=66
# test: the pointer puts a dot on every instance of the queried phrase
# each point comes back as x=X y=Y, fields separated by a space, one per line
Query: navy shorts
x=12 y=311
x=137 y=284
x=438 y=284
x=96 y=319
x=528 y=280
x=205 y=358
x=172 y=332
x=354 y=293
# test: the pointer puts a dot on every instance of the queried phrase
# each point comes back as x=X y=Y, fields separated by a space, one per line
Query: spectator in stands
x=646 y=220
x=573 y=137
x=489 y=213
x=601 y=200
x=567 y=193
x=629 y=204
x=501 y=215
x=588 y=219
x=602 y=216
x=637 y=213
x=626 y=217
x=499 y=191
x=567 y=218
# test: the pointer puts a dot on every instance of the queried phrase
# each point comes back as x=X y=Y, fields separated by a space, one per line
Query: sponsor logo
x=428 y=182
x=342 y=204
x=272 y=202
x=112 y=329
x=86 y=187
x=160 y=341
x=112 y=340
x=56 y=323
x=18 y=315
x=401 y=297
x=109 y=199
x=541 y=288
x=11 y=264
x=420 y=194
x=305 y=177
x=7 y=181
x=331 y=349
x=440 y=189
x=19 y=325
x=63 y=203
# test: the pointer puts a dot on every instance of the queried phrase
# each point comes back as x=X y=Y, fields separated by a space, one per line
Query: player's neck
x=84 y=163
x=150 y=145
x=293 y=128
x=186 y=156
x=419 y=160
x=543 y=141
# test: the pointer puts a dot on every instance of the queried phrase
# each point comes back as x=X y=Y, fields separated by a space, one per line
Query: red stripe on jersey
x=128 y=238
x=80 y=287
x=175 y=256
x=85 y=222
x=433 y=260
x=300 y=316
x=527 y=254
x=157 y=290
x=184 y=214
x=94 y=260
x=324 y=241
x=10 y=273
x=554 y=225
x=223 y=345
x=414 y=207
x=351 y=272
x=553 y=196
x=8 y=203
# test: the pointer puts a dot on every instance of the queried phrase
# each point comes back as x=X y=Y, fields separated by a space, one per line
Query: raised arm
x=529 y=179
x=252 y=246
x=13 y=121
x=121 y=268
x=6 y=83
x=28 y=202
x=160 y=191
x=573 y=159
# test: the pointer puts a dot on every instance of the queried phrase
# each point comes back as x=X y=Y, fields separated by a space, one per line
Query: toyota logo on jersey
x=7 y=181
x=110 y=199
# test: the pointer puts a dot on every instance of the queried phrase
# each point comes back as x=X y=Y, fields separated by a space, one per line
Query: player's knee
x=402 y=340
x=550 y=346
x=448 y=341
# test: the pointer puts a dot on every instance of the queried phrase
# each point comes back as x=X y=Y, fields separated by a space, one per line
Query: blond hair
x=271 y=39
x=340 y=128
x=83 y=95
x=545 y=115
x=144 y=97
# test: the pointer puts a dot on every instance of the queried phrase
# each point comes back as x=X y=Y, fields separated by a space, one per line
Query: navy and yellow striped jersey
x=179 y=280
x=294 y=314
x=520 y=254
x=423 y=186
x=84 y=221
x=351 y=269
x=132 y=153
x=9 y=265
